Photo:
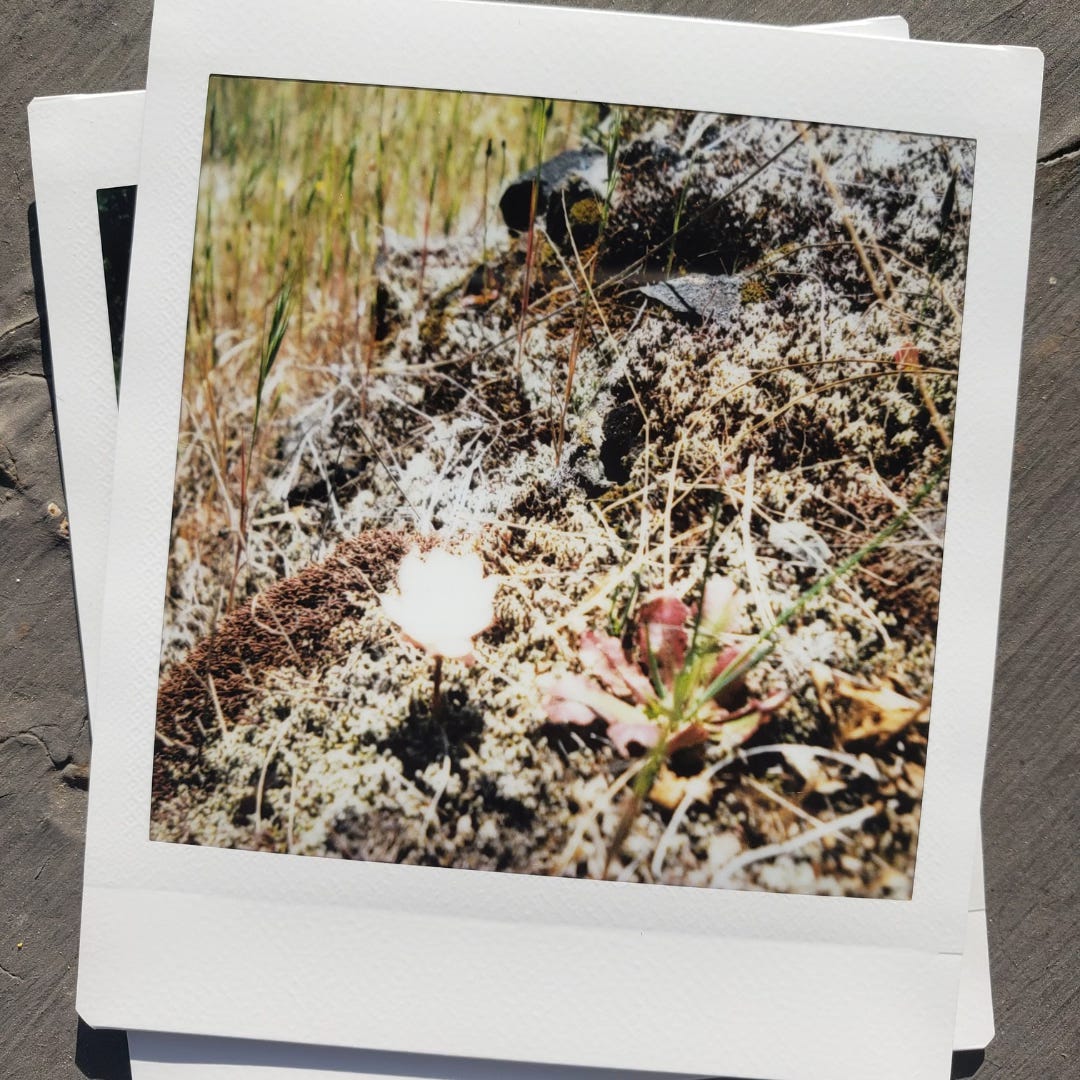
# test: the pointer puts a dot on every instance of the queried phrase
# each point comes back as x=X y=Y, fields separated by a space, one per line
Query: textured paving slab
x=1031 y=804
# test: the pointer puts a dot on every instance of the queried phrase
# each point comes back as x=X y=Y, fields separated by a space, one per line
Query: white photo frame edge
x=1010 y=238
x=84 y=390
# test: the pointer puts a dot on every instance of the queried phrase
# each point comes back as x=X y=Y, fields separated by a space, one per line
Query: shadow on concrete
x=39 y=291
x=966 y=1063
x=102 y=1055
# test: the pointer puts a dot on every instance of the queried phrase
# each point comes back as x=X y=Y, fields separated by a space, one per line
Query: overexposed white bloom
x=443 y=601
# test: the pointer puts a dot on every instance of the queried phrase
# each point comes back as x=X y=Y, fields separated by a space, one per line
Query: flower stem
x=436 y=694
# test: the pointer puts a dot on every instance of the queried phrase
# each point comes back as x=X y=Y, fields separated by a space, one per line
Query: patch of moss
x=433 y=328
x=586 y=217
x=754 y=292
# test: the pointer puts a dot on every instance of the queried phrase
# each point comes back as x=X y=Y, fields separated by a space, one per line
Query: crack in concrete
x=6 y=375
x=16 y=327
x=11 y=974
x=1062 y=153
x=57 y=766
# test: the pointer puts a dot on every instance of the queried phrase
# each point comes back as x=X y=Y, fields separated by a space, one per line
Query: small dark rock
x=572 y=175
x=624 y=435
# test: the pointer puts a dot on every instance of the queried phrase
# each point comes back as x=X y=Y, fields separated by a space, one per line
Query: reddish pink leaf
x=664 y=608
x=604 y=655
x=563 y=703
x=691 y=735
x=622 y=735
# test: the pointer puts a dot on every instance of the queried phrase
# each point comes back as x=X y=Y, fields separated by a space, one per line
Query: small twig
x=218 y=713
x=883 y=296
x=585 y=820
x=292 y=811
x=279 y=630
x=901 y=505
x=679 y=815
x=850 y=760
x=629 y=814
x=770 y=851
x=666 y=546
x=753 y=571
x=571 y=369
x=913 y=366
x=530 y=246
x=780 y=800
x=431 y=813
x=260 y=788
x=826 y=178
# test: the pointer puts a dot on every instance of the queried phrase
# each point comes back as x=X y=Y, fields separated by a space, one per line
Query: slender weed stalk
x=275 y=336
x=427 y=233
x=687 y=698
x=541 y=112
x=680 y=209
x=881 y=292
x=484 y=204
x=271 y=348
x=611 y=152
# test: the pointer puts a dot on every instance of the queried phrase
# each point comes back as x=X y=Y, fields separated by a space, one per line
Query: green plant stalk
x=617 y=620
x=765 y=642
x=279 y=325
x=427 y=232
x=484 y=215
x=611 y=148
x=589 y=276
x=710 y=543
x=642 y=260
x=680 y=207
x=683 y=682
x=380 y=175
x=455 y=183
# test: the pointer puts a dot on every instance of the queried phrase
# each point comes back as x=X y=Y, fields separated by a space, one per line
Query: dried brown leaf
x=875 y=711
x=669 y=789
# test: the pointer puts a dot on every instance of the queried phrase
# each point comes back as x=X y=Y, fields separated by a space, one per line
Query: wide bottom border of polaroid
x=754 y=1009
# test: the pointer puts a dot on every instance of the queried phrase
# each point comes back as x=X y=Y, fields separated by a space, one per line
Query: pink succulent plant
x=660 y=687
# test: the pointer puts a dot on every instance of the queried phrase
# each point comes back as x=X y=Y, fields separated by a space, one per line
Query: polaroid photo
x=205 y=910
x=85 y=155
x=108 y=166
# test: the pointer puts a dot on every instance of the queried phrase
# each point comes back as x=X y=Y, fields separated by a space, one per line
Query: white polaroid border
x=323 y=940
x=107 y=130
x=79 y=145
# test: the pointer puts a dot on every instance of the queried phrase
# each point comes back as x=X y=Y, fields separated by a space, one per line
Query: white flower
x=443 y=601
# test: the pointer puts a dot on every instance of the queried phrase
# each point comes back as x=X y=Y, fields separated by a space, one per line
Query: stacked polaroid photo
x=539 y=588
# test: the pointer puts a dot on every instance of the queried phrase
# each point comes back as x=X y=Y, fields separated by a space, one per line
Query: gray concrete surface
x=1031 y=800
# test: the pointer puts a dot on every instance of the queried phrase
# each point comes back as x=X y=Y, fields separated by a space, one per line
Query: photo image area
x=561 y=488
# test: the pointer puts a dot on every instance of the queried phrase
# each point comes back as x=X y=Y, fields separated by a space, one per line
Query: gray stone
x=704 y=297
